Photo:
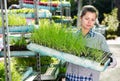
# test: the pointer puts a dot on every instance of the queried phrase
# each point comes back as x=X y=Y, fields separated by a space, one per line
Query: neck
x=85 y=31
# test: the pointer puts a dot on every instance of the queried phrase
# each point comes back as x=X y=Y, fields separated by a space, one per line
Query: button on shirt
x=79 y=73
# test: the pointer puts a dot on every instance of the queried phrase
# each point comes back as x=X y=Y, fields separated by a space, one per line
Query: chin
x=88 y=28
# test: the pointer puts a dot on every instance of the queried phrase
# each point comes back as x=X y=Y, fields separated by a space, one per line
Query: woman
x=88 y=17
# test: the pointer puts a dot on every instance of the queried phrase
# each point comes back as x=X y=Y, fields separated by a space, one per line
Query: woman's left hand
x=113 y=63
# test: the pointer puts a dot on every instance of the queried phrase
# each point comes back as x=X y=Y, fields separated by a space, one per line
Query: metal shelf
x=50 y=74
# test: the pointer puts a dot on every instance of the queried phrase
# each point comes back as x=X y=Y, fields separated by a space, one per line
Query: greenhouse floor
x=112 y=74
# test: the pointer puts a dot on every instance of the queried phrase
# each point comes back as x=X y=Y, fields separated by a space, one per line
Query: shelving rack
x=8 y=54
x=61 y=8
x=5 y=32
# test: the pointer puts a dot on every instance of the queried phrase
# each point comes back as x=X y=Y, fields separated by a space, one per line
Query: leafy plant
x=111 y=22
x=18 y=44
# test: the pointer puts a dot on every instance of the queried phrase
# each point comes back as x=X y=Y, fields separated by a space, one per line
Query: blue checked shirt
x=73 y=77
x=79 y=73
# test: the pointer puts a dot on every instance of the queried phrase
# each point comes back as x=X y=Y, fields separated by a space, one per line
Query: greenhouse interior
x=35 y=42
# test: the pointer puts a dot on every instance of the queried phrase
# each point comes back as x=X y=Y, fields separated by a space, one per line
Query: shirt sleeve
x=104 y=45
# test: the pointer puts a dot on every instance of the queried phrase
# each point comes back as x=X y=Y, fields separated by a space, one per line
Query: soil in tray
x=17 y=48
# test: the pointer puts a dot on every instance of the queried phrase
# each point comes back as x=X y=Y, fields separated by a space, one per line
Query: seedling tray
x=20 y=29
x=81 y=61
x=40 y=7
x=19 y=53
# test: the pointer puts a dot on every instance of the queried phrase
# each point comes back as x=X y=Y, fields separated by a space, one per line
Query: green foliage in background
x=14 y=20
x=19 y=42
x=15 y=75
x=18 y=11
x=45 y=62
x=111 y=22
x=24 y=11
x=2 y=71
x=32 y=61
x=25 y=62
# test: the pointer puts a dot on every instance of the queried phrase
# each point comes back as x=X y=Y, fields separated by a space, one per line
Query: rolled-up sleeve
x=104 y=45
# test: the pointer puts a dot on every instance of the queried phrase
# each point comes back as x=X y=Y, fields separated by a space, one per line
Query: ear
x=80 y=19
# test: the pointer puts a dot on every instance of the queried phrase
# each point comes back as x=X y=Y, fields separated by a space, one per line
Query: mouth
x=88 y=25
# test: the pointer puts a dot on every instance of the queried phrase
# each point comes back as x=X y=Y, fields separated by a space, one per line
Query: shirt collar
x=91 y=33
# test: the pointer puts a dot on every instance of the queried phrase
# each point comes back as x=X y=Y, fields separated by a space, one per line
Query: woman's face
x=88 y=20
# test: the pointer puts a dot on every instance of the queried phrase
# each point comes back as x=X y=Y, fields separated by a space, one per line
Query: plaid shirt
x=73 y=77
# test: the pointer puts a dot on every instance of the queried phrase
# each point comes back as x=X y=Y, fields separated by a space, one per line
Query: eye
x=86 y=18
x=93 y=19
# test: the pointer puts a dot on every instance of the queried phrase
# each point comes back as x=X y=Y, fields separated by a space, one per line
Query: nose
x=89 y=21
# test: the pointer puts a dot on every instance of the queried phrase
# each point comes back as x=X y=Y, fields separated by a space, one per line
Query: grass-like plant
x=14 y=20
x=18 y=44
x=64 y=39
x=23 y=10
x=60 y=38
